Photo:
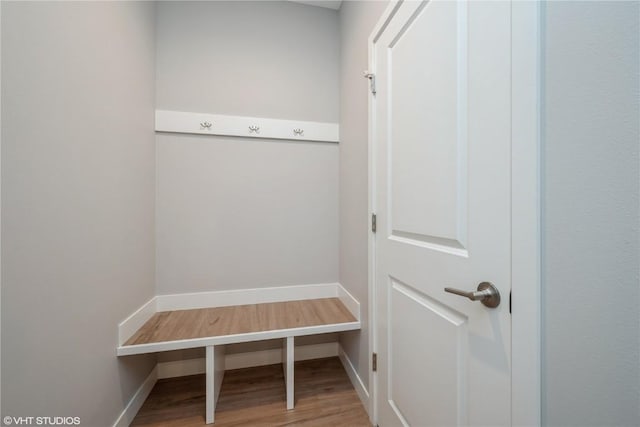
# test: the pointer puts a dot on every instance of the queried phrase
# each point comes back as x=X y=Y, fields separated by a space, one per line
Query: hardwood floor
x=256 y=397
x=239 y=319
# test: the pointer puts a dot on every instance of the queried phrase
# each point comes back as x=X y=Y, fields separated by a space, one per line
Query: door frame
x=525 y=212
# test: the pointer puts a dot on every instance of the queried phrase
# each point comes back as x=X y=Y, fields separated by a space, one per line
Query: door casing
x=525 y=212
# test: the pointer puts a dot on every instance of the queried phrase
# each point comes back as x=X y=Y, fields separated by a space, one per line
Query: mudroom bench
x=214 y=327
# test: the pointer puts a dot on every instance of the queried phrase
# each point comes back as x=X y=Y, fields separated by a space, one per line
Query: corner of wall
x=357 y=21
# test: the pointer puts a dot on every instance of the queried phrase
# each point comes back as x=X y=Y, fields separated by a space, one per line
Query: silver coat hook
x=206 y=125
x=298 y=132
x=372 y=80
x=254 y=129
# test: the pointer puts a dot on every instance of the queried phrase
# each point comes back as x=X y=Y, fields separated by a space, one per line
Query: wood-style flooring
x=239 y=319
x=324 y=396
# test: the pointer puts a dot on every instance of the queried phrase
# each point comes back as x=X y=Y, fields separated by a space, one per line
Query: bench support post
x=215 y=374
x=287 y=366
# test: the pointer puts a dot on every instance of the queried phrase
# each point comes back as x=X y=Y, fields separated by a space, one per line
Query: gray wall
x=238 y=213
x=78 y=204
x=591 y=136
x=357 y=20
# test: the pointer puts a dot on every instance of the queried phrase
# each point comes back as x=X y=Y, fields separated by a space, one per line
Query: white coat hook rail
x=252 y=127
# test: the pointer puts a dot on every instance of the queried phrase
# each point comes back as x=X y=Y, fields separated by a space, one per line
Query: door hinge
x=374 y=362
x=374 y=223
x=372 y=81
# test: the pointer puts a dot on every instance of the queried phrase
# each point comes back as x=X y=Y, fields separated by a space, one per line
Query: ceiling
x=329 y=4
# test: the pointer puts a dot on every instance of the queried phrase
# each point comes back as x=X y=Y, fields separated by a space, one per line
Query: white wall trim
x=131 y=324
x=526 y=63
x=349 y=301
x=316 y=351
x=246 y=296
x=383 y=21
x=362 y=391
x=180 y=368
x=250 y=359
x=274 y=356
x=136 y=402
x=252 y=127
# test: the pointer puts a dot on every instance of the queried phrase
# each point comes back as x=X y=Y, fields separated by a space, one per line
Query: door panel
x=434 y=212
x=442 y=118
x=442 y=402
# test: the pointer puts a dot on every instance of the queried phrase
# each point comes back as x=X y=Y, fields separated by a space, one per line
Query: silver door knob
x=486 y=293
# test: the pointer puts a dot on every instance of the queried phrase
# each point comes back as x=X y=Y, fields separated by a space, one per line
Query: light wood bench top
x=171 y=330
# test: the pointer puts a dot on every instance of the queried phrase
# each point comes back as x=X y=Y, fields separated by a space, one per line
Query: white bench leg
x=287 y=365
x=215 y=374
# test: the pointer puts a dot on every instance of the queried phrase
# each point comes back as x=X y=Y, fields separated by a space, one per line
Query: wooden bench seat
x=214 y=327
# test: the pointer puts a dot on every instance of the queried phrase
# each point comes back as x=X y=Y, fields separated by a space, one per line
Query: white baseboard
x=316 y=351
x=136 y=402
x=131 y=324
x=362 y=391
x=179 y=368
x=349 y=301
x=273 y=356
x=246 y=296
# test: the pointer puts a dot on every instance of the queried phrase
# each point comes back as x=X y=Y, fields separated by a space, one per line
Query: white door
x=442 y=195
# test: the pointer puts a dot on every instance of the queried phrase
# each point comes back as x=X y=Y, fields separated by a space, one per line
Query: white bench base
x=215 y=374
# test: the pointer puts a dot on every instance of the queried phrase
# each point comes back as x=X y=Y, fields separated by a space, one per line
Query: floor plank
x=256 y=397
x=238 y=319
